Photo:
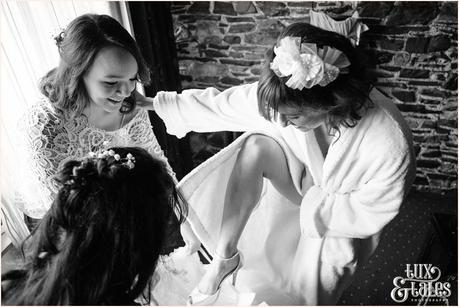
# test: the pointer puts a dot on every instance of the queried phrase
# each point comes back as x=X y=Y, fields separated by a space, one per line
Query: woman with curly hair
x=100 y=241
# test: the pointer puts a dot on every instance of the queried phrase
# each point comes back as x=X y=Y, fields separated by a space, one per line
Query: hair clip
x=129 y=161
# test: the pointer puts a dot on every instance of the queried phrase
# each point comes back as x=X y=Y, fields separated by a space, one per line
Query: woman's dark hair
x=78 y=45
x=344 y=99
x=101 y=239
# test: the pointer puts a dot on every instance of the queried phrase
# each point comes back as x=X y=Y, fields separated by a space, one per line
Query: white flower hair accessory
x=306 y=64
x=128 y=161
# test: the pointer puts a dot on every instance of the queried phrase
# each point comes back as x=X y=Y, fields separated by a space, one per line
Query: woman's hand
x=143 y=102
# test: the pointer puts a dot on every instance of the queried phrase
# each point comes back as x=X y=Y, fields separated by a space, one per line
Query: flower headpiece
x=307 y=64
x=128 y=161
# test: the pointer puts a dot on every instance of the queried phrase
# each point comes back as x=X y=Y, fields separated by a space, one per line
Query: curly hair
x=78 y=45
x=101 y=239
x=345 y=99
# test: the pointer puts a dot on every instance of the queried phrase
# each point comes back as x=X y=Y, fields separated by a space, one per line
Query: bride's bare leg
x=261 y=157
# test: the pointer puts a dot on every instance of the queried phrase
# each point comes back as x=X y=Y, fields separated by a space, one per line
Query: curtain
x=28 y=52
x=153 y=29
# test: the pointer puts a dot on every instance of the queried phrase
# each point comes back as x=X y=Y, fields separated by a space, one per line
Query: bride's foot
x=209 y=287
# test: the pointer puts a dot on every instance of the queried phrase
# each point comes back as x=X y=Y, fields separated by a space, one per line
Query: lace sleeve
x=41 y=145
x=141 y=134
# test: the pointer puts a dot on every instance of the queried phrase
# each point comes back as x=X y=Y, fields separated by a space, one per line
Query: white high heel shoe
x=196 y=297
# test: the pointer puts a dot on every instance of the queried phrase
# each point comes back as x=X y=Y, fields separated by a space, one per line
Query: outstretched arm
x=234 y=109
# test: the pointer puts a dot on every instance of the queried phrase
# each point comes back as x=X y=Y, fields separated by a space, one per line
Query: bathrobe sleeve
x=345 y=205
x=234 y=109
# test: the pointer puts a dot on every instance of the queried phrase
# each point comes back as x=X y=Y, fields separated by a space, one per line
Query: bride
x=324 y=166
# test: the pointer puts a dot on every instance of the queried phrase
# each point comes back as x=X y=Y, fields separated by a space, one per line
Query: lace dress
x=49 y=141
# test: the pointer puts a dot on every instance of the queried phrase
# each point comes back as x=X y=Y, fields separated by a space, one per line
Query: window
x=29 y=52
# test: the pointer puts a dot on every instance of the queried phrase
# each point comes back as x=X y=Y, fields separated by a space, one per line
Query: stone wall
x=413 y=44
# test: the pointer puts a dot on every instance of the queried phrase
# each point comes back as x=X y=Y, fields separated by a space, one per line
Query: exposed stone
x=244 y=7
x=230 y=80
x=401 y=58
x=306 y=4
x=217 y=46
x=451 y=82
x=194 y=18
x=420 y=180
x=429 y=124
x=441 y=180
x=239 y=62
x=241 y=28
x=414 y=73
x=232 y=39
x=208 y=79
x=240 y=19
x=390 y=84
x=439 y=43
x=194 y=68
x=378 y=9
x=206 y=29
x=199 y=7
x=417 y=44
x=255 y=71
x=236 y=55
x=382 y=74
x=423 y=83
x=390 y=68
x=381 y=29
x=410 y=107
x=405 y=96
x=212 y=39
x=412 y=123
x=251 y=79
x=267 y=38
x=431 y=154
x=271 y=9
x=412 y=13
x=448 y=12
x=240 y=74
x=427 y=163
x=416 y=28
x=225 y=8
x=452 y=123
x=430 y=102
x=258 y=49
x=435 y=93
x=391 y=44
x=214 y=53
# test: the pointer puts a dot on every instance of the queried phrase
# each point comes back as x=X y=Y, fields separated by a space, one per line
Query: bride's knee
x=261 y=146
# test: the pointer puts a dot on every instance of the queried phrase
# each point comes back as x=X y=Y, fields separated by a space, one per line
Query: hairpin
x=128 y=161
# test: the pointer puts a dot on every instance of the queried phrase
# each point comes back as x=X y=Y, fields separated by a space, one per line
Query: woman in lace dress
x=100 y=241
x=88 y=105
x=325 y=164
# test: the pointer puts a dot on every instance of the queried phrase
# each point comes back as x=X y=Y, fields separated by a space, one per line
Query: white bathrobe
x=298 y=255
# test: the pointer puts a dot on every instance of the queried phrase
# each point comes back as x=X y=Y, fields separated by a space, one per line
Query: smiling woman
x=89 y=105
x=109 y=81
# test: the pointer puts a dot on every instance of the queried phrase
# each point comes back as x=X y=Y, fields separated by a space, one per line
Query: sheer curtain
x=28 y=52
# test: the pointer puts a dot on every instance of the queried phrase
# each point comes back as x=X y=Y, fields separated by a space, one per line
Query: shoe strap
x=226 y=259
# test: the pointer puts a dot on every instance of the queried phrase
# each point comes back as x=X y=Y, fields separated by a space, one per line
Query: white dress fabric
x=298 y=255
x=49 y=141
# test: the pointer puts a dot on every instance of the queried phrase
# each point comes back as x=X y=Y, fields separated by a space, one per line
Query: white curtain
x=28 y=53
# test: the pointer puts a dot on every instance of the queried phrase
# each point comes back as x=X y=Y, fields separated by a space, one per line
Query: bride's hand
x=143 y=102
